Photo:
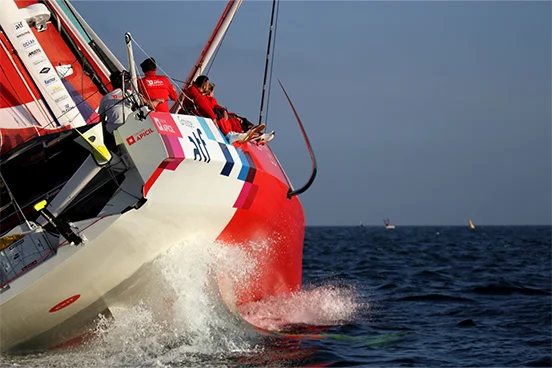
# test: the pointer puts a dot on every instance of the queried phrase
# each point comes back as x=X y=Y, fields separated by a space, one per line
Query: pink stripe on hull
x=243 y=195
x=175 y=151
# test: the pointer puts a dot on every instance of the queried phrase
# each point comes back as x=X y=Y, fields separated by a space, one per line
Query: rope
x=12 y=198
x=173 y=81
x=217 y=50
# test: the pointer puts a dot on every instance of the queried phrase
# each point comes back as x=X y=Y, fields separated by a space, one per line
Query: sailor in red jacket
x=220 y=111
x=156 y=88
x=195 y=100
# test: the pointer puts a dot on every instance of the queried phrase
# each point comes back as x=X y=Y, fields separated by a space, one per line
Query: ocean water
x=412 y=296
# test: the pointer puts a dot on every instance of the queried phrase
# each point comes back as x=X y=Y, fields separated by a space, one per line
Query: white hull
x=193 y=201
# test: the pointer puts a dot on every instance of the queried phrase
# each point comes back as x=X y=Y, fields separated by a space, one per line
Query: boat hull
x=196 y=189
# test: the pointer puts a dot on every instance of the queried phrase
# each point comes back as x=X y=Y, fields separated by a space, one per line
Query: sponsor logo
x=44 y=70
x=28 y=43
x=138 y=136
x=165 y=126
x=186 y=122
x=67 y=302
x=39 y=61
x=23 y=34
x=59 y=99
x=29 y=265
x=154 y=82
x=55 y=89
x=18 y=25
x=34 y=53
x=16 y=244
x=50 y=80
x=66 y=108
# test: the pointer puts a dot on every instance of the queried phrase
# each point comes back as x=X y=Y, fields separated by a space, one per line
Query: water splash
x=189 y=316
x=320 y=306
x=182 y=318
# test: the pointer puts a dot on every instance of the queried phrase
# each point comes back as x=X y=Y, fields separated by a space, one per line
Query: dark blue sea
x=412 y=296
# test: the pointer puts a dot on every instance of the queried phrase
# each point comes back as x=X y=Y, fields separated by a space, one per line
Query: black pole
x=267 y=60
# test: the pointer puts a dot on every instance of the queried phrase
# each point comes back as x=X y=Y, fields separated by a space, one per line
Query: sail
x=471 y=225
x=51 y=78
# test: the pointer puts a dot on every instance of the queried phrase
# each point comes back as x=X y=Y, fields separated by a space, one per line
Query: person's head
x=148 y=65
x=201 y=82
x=209 y=89
x=116 y=78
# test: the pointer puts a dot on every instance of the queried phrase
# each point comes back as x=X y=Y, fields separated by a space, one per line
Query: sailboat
x=387 y=224
x=80 y=222
x=472 y=226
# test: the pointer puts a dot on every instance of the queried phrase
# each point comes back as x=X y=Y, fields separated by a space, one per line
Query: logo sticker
x=59 y=99
x=55 y=89
x=138 y=136
x=39 y=61
x=165 y=125
x=186 y=122
x=34 y=53
x=49 y=80
x=23 y=34
x=44 y=70
x=154 y=82
x=18 y=25
x=63 y=304
x=28 y=43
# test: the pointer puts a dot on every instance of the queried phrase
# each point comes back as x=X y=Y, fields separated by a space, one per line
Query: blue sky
x=422 y=112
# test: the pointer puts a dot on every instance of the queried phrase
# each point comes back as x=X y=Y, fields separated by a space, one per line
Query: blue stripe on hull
x=206 y=128
x=227 y=169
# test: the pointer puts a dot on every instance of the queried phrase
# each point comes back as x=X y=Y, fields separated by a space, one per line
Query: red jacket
x=202 y=104
x=214 y=103
x=155 y=86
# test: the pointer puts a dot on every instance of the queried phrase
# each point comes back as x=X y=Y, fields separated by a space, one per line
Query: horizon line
x=456 y=225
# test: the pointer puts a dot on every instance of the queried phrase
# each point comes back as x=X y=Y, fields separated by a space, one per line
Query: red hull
x=268 y=216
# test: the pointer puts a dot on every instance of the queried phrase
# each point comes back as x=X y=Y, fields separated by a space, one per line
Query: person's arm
x=172 y=92
x=205 y=108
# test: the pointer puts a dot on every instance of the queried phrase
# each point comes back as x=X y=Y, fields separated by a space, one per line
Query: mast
x=210 y=47
x=131 y=66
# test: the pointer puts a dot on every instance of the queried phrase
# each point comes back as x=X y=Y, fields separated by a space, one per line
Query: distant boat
x=387 y=224
x=471 y=225
x=361 y=224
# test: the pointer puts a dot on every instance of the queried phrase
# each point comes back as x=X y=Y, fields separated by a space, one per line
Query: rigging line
x=14 y=201
x=267 y=59
x=218 y=48
x=272 y=62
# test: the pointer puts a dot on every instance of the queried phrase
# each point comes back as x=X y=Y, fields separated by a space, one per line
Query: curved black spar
x=293 y=192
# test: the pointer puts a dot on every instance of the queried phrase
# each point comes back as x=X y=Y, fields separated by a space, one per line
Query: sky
x=424 y=112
